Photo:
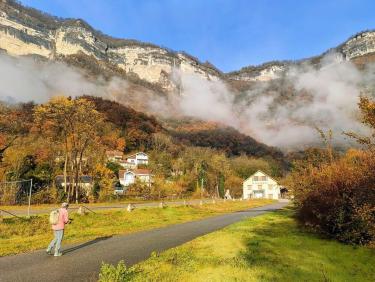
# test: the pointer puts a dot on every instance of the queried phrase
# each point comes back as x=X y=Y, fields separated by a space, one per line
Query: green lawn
x=21 y=235
x=270 y=247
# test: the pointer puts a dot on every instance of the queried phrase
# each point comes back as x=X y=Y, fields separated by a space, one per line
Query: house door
x=258 y=195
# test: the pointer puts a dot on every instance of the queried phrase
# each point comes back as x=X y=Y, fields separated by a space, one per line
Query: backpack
x=54 y=217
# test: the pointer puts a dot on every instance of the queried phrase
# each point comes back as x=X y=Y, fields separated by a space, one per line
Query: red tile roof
x=133 y=155
x=114 y=153
x=139 y=171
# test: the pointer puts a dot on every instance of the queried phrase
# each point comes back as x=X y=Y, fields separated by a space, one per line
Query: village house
x=261 y=186
x=114 y=156
x=139 y=158
x=128 y=177
x=127 y=162
x=85 y=182
x=132 y=171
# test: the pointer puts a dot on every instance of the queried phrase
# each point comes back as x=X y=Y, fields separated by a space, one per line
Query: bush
x=44 y=196
x=338 y=198
x=139 y=190
x=119 y=273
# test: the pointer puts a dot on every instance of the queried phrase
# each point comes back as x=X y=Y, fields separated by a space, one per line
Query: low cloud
x=285 y=113
x=25 y=79
x=281 y=113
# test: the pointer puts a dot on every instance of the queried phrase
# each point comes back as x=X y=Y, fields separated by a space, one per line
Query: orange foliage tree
x=336 y=195
x=75 y=125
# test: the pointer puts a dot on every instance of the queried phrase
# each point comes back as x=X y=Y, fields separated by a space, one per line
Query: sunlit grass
x=17 y=235
x=51 y=206
x=270 y=247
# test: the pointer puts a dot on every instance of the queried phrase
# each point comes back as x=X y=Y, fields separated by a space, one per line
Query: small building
x=85 y=182
x=139 y=158
x=261 y=186
x=128 y=177
x=114 y=155
x=127 y=165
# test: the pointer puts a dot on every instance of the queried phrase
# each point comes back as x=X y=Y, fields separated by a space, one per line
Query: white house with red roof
x=127 y=162
x=128 y=177
x=139 y=158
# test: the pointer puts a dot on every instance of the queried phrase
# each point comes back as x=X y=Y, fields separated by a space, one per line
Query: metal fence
x=17 y=192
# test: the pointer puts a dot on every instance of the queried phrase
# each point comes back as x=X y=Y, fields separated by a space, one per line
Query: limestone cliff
x=359 y=45
x=26 y=31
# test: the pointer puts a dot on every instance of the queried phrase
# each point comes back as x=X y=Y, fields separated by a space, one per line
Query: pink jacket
x=63 y=219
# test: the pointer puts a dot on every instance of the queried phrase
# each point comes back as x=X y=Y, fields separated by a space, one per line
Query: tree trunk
x=71 y=179
x=79 y=166
x=76 y=178
x=65 y=165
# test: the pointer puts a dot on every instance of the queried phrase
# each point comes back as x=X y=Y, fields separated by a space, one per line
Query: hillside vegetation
x=335 y=194
x=70 y=136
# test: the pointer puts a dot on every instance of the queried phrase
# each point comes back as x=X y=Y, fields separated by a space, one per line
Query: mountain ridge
x=27 y=31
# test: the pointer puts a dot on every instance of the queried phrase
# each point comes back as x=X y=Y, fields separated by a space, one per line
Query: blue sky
x=228 y=33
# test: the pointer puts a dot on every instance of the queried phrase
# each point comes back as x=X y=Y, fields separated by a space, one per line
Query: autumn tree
x=336 y=194
x=14 y=123
x=73 y=123
x=104 y=179
x=367 y=108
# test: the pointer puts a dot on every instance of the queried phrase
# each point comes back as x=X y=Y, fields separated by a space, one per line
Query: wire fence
x=16 y=192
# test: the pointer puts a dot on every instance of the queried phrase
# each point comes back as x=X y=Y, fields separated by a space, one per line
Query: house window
x=270 y=186
x=259 y=187
x=255 y=178
x=264 y=178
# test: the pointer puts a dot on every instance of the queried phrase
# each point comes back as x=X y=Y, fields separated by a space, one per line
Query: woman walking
x=58 y=220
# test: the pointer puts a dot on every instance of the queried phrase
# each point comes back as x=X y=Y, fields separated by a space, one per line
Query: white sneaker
x=58 y=254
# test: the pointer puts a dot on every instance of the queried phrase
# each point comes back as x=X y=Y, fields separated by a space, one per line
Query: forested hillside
x=69 y=137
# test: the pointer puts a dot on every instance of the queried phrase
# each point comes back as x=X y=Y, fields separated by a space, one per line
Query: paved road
x=82 y=262
x=23 y=211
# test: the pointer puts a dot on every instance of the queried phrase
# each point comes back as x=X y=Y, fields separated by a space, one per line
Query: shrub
x=119 y=273
x=338 y=197
x=44 y=196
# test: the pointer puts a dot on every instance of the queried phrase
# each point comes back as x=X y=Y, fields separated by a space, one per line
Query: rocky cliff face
x=359 y=45
x=264 y=72
x=25 y=31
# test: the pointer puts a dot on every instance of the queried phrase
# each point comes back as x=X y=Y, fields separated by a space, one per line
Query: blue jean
x=56 y=242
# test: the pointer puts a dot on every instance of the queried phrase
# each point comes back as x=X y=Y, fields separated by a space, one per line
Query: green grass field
x=22 y=235
x=270 y=247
